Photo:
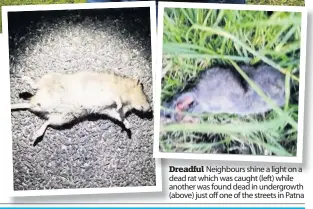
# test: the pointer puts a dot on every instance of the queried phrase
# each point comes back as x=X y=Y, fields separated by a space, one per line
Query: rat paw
x=127 y=124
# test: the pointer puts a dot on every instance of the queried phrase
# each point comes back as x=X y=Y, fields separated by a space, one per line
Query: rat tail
x=20 y=106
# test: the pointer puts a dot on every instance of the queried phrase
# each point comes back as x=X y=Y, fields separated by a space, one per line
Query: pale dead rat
x=224 y=90
x=63 y=98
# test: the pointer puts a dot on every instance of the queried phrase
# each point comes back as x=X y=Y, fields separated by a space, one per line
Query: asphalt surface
x=94 y=153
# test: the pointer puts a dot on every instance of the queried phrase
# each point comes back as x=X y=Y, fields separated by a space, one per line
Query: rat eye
x=192 y=104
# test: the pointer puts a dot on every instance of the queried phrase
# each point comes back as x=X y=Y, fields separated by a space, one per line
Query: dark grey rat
x=224 y=90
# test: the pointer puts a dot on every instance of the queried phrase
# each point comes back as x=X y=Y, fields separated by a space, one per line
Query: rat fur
x=224 y=90
x=63 y=98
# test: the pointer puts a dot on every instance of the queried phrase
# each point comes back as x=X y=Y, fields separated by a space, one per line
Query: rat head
x=139 y=99
x=180 y=103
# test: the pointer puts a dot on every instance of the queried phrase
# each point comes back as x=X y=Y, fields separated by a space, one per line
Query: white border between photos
x=233 y=157
x=6 y=110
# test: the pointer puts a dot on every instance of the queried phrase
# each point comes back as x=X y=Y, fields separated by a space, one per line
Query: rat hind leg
x=55 y=120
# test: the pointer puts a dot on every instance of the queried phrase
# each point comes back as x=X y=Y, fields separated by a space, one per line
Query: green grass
x=196 y=39
x=29 y=2
x=278 y=2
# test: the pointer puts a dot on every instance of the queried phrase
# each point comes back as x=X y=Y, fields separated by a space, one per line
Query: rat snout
x=181 y=103
x=165 y=113
x=147 y=108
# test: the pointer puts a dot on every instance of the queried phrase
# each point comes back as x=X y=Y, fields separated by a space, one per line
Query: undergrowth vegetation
x=278 y=2
x=197 y=39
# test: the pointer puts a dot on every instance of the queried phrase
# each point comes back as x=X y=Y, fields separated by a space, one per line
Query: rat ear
x=184 y=102
x=137 y=82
